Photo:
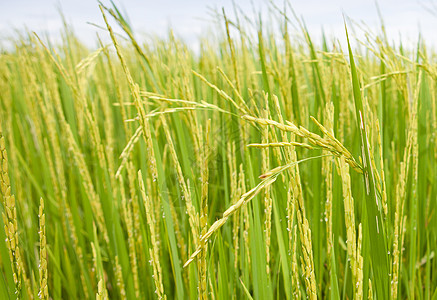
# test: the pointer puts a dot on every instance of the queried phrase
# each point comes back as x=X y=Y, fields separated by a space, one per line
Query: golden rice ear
x=10 y=221
x=330 y=143
x=43 y=257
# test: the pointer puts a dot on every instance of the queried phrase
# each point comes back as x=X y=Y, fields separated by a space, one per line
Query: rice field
x=266 y=165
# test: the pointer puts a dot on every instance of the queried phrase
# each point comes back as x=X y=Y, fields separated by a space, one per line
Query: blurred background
x=190 y=19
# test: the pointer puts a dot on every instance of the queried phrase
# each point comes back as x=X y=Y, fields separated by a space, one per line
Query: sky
x=189 y=19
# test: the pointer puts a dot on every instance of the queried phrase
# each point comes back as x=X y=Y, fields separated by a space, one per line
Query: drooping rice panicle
x=246 y=197
x=331 y=144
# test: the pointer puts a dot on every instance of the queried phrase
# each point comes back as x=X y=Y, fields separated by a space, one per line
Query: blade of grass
x=378 y=246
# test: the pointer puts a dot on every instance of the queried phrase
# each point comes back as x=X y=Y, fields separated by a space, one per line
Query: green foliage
x=77 y=125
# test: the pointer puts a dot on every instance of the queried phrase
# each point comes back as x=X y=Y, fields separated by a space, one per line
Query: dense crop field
x=264 y=166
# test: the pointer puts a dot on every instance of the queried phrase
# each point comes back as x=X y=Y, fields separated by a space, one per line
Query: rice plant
x=266 y=165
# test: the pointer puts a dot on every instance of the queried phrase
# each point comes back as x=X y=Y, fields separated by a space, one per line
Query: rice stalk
x=327 y=170
x=120 y=282
x=153 y=251
x=129 y=219
x=10 y=218
x=43 y=272
x=268 y=202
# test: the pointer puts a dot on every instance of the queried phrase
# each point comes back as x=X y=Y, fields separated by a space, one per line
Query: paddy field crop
x=265 y=165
